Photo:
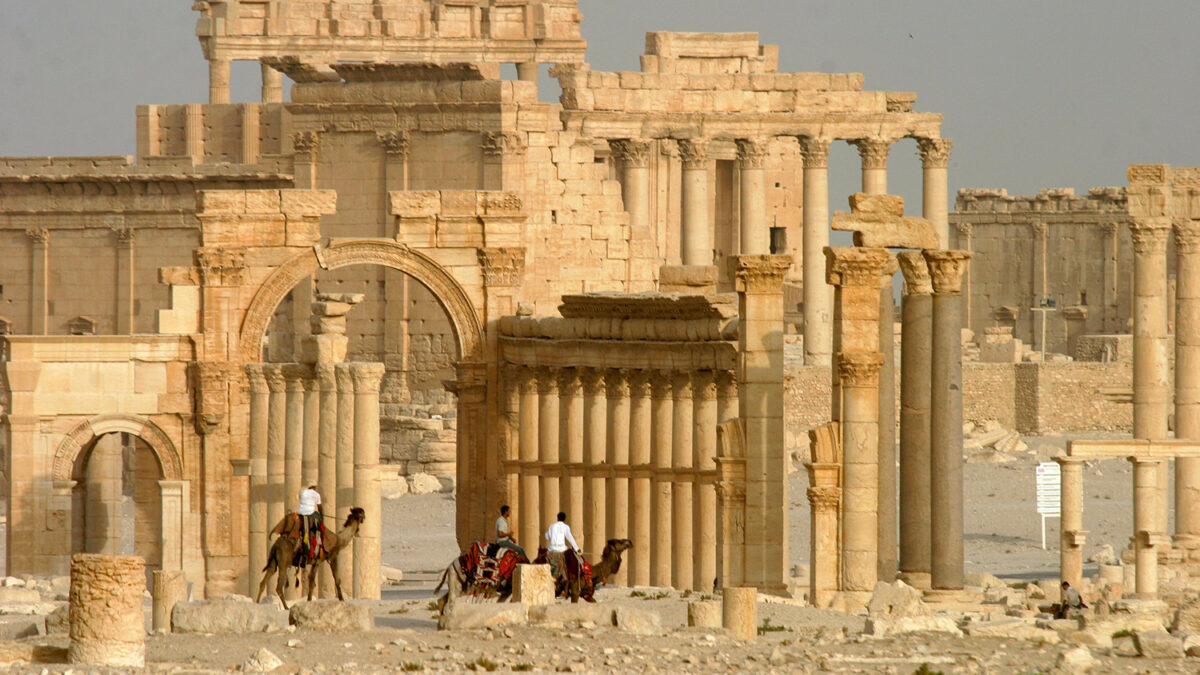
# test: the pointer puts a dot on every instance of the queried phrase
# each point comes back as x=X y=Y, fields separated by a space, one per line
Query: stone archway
x=465 y=319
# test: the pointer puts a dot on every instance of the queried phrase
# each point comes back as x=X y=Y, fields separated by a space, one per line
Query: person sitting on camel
x=557 y=537
x=310 y=523
x=504 y=538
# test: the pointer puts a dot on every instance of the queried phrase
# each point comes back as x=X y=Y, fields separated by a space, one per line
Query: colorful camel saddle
x=310 y=540
x=488 y=566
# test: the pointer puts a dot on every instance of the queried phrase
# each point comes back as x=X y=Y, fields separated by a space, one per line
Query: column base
x=1187 y=542
x=919 y=580
x=688 y=279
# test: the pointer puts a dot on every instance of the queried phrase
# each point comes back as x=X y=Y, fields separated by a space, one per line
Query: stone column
x=395 y=166
x=529 y=517
x=704 y=493
x=1187 y=379
x=193 y=132
x=367 y=377
x=276 y=445
x=218 y=80
x=739 y=612
x=966 y=242
x=548 y=432
x=345 y=457
x=915 y=343
x=105 y=613
x=818 y=315
x=250 y=131
x=39 y=266
x=661 y=412
x=681 y=492
x=570 y=392
x=1145 y=522
x=824 y=503
x=1037 y=233
x=169 y=589
x=760 y=346
x=752 y=168
x=595 y=454
x=1112 y=276
x=126 y=316
x=527 y=71
x=888 y=497
x=272 y=85
x=1151 y=366
x=935 y=158
x=945 y=410
x=293 y=451
x=309 y=457
x=305 y=145
x=634 y=154
x=257 y=518
x=641 y=515
x=874 y=154
x=1071 y=532
x=617 y=499
x=327 y=485
x=695 y=246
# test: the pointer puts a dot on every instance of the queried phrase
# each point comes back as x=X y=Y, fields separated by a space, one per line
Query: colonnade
x=626 y=453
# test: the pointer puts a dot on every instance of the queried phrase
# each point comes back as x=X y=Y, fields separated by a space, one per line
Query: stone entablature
x=1098 y=199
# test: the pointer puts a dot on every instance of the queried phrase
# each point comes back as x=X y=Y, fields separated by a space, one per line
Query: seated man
x=504 y=538
x=1071 y=601
x=310 y=520
x=556 y=546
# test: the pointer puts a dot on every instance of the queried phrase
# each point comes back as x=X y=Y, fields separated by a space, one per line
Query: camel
x=462 y=576
x=575 y=584
x=283 y=552
x=610 y=560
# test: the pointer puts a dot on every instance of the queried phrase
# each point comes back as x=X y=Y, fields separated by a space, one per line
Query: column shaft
x=640 y=507
x=272 y=85
x=345 y=497
x=367 y=377
x=874 y=154
x=915 y=344
x=696 y=237
x=293 y=435
x=755 y=229
x=312 y=429
x=1071 y=550
x=595 y=454
x=258 y=526
x=888 y=497
x=1151 y=366
x=1187 y=379
x=661 y=412
x=276 y=443
x=529 y=517
x=327 y=456
x=218 y=80
x=935 y=158
x=548 y=433
x=704 y=442
x=1145 y=516
x=818 y=316
x=617 y=500
x=860 y=445
x=571 y=444
x=681 y=496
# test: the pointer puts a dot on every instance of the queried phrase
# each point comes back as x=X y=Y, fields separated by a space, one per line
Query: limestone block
x=107 y=624
x=424 y=484
x=332 y=616
x=533 y=585
x=1191 y=645
x=390 y=575
x=984 y=580
x=704 y=614
x=226 y=616
x=1157 y=644
x=601 y=615
x=17 y=627
x=16 y=595
x=1075 y=661
x=307 y=203
x=262 y=661
x=639 y=621
x=1015 y=629
x=13 y=653
x=883 y=231
x=888 y=205
x=262 y=201
x=58 y=621
x=881 y=627
x=170 y=588
x=1187 y=618
x=470 y=616
x=896 y=600
x=220 y=202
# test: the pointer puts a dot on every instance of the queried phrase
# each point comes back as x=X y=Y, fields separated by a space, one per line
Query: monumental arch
x=402 y=163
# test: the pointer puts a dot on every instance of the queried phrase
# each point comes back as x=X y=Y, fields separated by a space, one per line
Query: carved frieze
x=306 y=142
x=220 y=267
x=502 y=266
x=501 y=144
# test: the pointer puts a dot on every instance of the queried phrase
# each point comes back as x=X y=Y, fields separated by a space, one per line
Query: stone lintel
x=946 y=269
x=855 y=265
x=877 y=230
x=916 y=273
x=1134 y=448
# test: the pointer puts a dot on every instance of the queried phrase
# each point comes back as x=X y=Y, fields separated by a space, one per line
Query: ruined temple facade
x=402 y=167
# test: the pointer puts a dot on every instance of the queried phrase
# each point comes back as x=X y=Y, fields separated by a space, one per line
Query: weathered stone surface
x=470 y=615
x=424 y=484
x=332 y=616
x=533 y=585
x=896 y=600
x=1114 y=623
x=880 y=627
x=640 y=621
x=888 y=205
x=391 y=574
x=984 y=580
x=263 y=661
x=1157 y=644
x=704 y=614
x=1016 y=629
x=17 y=627
x=25 y=608
x=108 y=627
x=1187 y=618
x=599 y=614
x=1074 y=661
x=224 y=616
x=17 y=595
x=57 y=621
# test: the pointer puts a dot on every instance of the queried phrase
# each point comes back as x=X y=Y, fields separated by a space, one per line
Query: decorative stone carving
x=873 y=151
x=752 y=153
x=1038 y=229
x=220 y=267
x=616 y=382
x=1187 y=236
x=815 y=152
x=859 y=369
x=1148 y=173
x=306 y=142
x=569 y=382
x=934 y=152
x=395 y=143
x=38 y=235
x=593 y=381
x=693 y=152
x=825 y=497
x=499 y=144
x=633 y=152
x=946 y=268
x=82 y=325
x=1110 y=228
x=965 y=229
x=547 y=382
x=916 y=273
x=854 y=266
x=367 y=377
x=502 y=266
x=1149 y=235
x=124 y=235
x=761 y=273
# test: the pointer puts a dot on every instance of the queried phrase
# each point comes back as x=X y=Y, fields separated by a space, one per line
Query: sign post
x=1049 y=493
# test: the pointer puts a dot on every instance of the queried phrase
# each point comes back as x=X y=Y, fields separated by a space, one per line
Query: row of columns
x=317 y=421
x=626 y=454
x=218 y=82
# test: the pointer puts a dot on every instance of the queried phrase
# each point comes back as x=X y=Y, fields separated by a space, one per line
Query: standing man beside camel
x=556 y=545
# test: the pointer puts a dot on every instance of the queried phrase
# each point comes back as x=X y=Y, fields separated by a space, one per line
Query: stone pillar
x=304 y=146
x=595 y=454
x=218 y=80
x=346 y=498
x=529 y=517
x=818 y=315
x=1037 y=234
x=935 y=158
x=1187 y=379
x=695 y=246
x=276 y=445
x=945 y=410
x=824 y=503
x=752 y=163
x=662 y=406
x=528 y=71
x=634 y=154
x=39 y=273
x=641 y=514
x=1071 y=532
x=548 y=433
x=396 y=145
x=704 y=493
x=1113 y=276
x=760 y=346
x=570 y=392
x=105 y=613
x=617 y=499
x=272 y=85
x=739 y=612
x=1151 y=366
x=888 y=497
x=169 y=589
x=874 y=154
x=312 y=428
x=193 y=132
x=126 y=316
x=367 y=377
x=915 y=344
x=1145 y=522
x=966 y=242
x=293 y=450
x=681 y=492
x=250 y=131
x=327 y=485
x=258 y=524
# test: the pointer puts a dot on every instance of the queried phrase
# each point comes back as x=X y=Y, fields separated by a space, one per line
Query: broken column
x=169 y=589
x=1146 y=538
x=916 y=339
x=106 y=622
x=1071 y=533
x=739 y=612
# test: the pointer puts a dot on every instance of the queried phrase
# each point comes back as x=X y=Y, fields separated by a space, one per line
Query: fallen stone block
x=1077 y=660
x=57 y=622
x=1116 y=623
x=27 y=608
x=390 y=575
x=533 y=585
x=19 y=594
x=1015 y=629
x=424 y=484
x=896 y=600
x=597 y=613
x=17 y=627
x=639 y=621
x=332 y=616
x=226 y=616
x=1089 y=637
x=1187 y=618
x=879 y=627
x=1157 y=644
x=472 y=616
x=263 y=661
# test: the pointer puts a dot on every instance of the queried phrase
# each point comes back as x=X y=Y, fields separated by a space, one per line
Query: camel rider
x=310 y=519
x=556 y=545
x=504 y=537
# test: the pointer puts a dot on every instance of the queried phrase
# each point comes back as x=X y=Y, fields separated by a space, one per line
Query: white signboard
x=1049 y=493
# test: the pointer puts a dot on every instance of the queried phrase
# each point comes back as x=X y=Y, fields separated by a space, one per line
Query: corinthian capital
x=367 y=377
x=502 y=266
x=752 y=153
x=815 y=152
x=1149 y=235
x=859 y=369
x=633 y=152
x=946 y=268
x=916 y=273
x=934 y=152
x=760 y=273
x=1187 y=236
x=873 y=151
x=824 y=498
x=693 y=152
x=305 y=142
x=499 y=143
x=395 y=143
x=855 y=265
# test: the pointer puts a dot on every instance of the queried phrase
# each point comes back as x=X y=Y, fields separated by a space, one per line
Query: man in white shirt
x=557 y=538
x=310 y=517
x=504 y=538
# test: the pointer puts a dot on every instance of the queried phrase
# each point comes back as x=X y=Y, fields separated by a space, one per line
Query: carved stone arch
x=89 y=430
x=468 y=327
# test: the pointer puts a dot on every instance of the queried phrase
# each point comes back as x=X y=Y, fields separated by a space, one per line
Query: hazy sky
x=1036 y=93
